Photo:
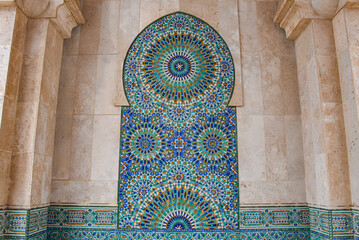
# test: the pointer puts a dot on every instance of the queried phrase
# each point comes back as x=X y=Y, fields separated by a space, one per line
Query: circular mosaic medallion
x=179 y=69
x=178 y=61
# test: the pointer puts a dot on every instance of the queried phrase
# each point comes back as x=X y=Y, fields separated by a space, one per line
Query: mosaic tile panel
x=356 y=223
x=320 y=221
x=37 y=221
x=342 y=221
x=15 y=223
x=332 y=224
x=24 y=224
x=178 y=160
x=82 y=217
x=274 y=217
x=287 y=234
x=2 y=221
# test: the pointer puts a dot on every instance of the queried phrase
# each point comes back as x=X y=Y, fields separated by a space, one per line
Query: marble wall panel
x=85 y=86
x=322 y=116
x=346 y=35
x=106 y=147
x=270 y=92
x=109 y=29
x=90 y=30
x=81 y=147
x=107 y=77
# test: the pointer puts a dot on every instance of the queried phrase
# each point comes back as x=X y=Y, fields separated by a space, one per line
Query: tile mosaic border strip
x=15 y=223
x=82 y=217
x=24 y=223
x=332 y=224
x=255 y=223
x=356 y=223
x=82 y=233
x=274 y=217
x=2 y=221
x=37 y=221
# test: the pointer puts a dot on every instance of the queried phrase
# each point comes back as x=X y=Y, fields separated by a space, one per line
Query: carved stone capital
x=294 y=15
x=348 y=3
x=65 y=14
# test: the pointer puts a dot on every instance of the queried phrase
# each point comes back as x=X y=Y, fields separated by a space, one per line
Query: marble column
x=12 y=31
x=30 y=176
x=324 y=139
x=346 y=32
x=309 y=24
x=31 y=40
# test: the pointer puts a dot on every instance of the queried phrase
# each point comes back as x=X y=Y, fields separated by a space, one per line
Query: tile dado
x=255 y=223
x=332 y=224
x=72 y=222
x=68 y=233
x=274 y=217
x=82 y=217
x=23 y=224
x=356 y=223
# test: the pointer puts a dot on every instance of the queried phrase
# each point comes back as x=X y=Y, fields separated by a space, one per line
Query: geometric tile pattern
x=255 y=223
x=99 y=234
x=178 y=159
x=332 y=224
x=65 y=222
x=356 y=223
x=24 y=224
x=2 y=219
x=37 y=221
x=82 y=217
x=275 y=217
x=15 y=223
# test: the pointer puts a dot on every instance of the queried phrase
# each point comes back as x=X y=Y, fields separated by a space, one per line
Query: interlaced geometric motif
x=178 y=161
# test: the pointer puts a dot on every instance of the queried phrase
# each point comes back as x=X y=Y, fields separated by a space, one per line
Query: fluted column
x=12 y=32
x=309 y=24
x=346 y=32
x=35 y=30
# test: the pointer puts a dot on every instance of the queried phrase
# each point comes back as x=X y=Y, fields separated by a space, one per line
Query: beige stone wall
x=269 y=124
x=327 y=181
x=346 y=29
x=13 y=29
x=86 y=155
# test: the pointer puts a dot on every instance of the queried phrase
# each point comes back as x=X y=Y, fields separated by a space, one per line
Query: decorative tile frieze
x=356 y=223
x=301 y=222
x=342 y=222
x=320 y=221
x=23 y=223
x=15 y=223
x=332 y=224
x=76 y=233
x=274 y=217
x=37 y=221
x=82 y=217
x=2 y=221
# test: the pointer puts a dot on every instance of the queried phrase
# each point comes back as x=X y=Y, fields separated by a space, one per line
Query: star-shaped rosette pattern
x=178 y=150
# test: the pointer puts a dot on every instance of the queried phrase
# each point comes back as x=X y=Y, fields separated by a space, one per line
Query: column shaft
x=326 y=163
x=35 y=116
x=12 y=31
x=346 y=31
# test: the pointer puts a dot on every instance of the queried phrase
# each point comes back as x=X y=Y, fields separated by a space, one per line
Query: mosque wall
x=86 y=154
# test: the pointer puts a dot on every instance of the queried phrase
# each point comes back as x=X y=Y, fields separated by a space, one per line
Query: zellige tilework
x=82 y=217
x=178 y=138
x=331 y=223
x=37 y=224
x=274 y=217
x=15 y=223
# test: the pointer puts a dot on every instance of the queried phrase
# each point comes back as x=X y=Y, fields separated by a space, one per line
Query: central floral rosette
x=178 y=165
